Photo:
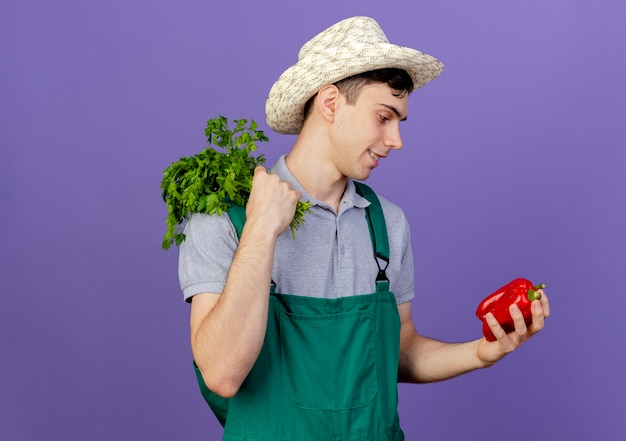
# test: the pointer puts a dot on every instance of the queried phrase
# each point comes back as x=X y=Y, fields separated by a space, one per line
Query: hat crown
x=360 y=30
x=349 y=47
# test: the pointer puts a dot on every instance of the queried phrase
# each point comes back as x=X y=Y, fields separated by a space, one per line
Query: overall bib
x=328 y=368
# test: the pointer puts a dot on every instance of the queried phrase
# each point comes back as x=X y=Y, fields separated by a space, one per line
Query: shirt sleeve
x=406 y=288
x=401 y=275
x=206 y=254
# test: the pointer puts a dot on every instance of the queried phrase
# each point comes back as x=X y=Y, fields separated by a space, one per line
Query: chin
x=359 y=173
x=362 y=176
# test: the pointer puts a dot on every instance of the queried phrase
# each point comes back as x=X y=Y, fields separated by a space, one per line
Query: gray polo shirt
x=331 y=256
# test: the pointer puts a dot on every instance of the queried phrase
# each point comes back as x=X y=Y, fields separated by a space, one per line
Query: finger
x=297 y=194
x=538 y=315
x=518 y=320
x=494 y=325
x=503 y=339
x=259 y=171
x=545 y=304
x=257 y=177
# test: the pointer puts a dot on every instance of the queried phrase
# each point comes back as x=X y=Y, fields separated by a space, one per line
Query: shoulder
x=395 y=217
x=205 y=231
x=206 y=254
x=391 y=211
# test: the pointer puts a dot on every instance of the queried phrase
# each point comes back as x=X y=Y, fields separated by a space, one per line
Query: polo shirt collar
x=350 y=198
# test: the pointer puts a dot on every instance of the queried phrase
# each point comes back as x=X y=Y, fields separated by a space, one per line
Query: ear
x=327 y=102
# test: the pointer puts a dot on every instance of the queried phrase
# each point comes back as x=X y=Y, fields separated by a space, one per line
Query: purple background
x=513 y=166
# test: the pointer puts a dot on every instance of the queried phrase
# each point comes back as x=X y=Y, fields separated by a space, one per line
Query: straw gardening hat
x=352 y=46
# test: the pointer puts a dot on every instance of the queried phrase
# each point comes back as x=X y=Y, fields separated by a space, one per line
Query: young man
x=307 y=338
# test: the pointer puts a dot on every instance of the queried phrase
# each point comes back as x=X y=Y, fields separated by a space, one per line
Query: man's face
x=365 y=132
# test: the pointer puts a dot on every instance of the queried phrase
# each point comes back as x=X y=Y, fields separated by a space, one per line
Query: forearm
x=227 y=331
x=226 y=341
x=425 y=360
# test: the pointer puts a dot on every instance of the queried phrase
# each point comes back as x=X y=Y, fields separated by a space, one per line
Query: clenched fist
x=272 y=203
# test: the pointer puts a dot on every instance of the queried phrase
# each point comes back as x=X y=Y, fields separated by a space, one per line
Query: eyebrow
x=394 y=110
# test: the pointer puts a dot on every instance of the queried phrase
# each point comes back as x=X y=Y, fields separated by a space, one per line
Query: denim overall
x=328 y=368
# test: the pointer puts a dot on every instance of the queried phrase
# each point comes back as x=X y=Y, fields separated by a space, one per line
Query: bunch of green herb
x=211 y=180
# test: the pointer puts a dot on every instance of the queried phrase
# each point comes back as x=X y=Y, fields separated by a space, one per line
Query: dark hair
x=399 y=80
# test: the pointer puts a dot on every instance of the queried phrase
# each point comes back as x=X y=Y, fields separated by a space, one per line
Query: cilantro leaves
x=210 y=181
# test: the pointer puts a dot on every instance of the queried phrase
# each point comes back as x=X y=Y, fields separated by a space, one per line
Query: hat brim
x=288 y=96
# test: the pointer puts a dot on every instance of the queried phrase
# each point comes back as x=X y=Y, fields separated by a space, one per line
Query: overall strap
x=237 y=215
x=378 y=233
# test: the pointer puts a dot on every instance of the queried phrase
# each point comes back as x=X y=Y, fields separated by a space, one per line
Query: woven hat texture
x=352 y=46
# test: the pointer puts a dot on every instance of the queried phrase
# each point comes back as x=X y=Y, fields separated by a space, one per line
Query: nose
x=393 y=139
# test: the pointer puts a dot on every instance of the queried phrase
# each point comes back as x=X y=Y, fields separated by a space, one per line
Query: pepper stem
x=533 y=294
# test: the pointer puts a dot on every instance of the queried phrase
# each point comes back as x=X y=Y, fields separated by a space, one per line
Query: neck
x=311 y=166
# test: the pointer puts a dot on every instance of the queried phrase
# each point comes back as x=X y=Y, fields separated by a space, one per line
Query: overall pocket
x=328 y=362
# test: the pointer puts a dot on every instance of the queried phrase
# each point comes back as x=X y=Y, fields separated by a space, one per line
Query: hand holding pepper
x=519 y=292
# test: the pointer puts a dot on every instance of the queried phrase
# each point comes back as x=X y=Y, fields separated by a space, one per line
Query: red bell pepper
x=520 y=292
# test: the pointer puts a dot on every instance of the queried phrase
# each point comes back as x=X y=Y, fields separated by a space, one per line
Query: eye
x=383 y=118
